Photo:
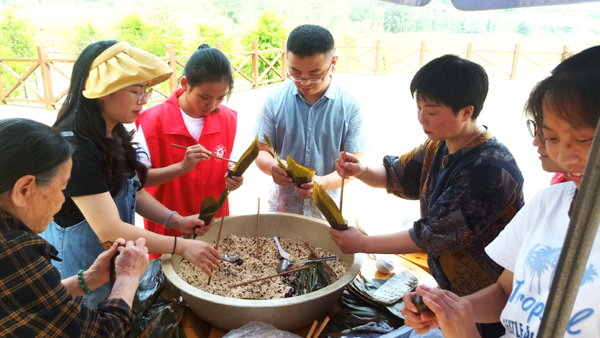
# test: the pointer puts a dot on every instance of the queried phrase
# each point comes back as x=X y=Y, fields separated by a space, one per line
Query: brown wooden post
x=219 y=46
x=469 y=51
x=565 y=54
x=254 y=65
x=284 y=59
x=2 y=102
x=173 y=65
x=377 y=56
x=513 y=72
x=422 y=57
x=46 y=77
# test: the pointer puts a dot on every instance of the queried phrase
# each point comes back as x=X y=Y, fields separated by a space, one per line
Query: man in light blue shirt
x=310 y=118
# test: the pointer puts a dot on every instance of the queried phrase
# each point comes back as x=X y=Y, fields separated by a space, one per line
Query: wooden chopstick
x=312 y=329
x=263 y=278
x=257 y=228
x=218 y=239
x=342 y=193
x=326 y=266
x=321 y=327
x=211 y=155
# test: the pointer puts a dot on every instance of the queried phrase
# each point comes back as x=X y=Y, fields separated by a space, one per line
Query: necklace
x=469 y=139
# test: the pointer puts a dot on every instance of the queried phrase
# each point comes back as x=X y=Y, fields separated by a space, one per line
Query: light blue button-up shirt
x=312 y=135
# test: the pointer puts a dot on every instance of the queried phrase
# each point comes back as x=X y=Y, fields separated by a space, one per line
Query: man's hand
x=349 y=241
x=193 y=155
x=233 y=183
x=279 y=175
x=306 y=190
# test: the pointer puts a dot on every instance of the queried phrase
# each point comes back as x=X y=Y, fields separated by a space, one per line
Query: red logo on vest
x=220 y=151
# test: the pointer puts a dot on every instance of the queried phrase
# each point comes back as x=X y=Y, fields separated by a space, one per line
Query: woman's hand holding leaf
x=453 y=314
x=349 y=241
x=234 y=182
x=421 y=323
x=189 y=224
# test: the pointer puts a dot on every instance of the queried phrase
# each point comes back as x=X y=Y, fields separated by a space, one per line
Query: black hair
x=30 y=148
x=309 y=40
x=83 y=117
x=208 y=65
x=453 y=82
x=572 y=91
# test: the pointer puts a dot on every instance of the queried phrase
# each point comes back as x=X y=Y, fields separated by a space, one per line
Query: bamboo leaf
x=272 y=150
x=296 y=172
x=299 y=174
x=247 y=158
x=328 y=208
x=209 y=207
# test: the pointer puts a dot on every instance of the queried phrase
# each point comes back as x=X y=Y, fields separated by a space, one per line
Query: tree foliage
x=268 y=32
x=17 y=36
x=212 y=35
x=80 y=37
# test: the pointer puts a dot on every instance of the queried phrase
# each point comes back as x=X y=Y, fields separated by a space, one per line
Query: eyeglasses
x=310 y=79
x=144 y=95
x=533 y=131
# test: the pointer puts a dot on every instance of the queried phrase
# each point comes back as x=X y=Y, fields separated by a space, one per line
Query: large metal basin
x=285 y=314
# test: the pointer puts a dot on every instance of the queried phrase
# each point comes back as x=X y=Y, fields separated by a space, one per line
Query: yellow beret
x=122 y=65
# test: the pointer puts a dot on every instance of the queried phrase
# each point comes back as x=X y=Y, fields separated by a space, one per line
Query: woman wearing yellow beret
x=110 y=84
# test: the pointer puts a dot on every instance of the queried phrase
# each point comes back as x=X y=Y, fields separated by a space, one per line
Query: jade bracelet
x=82 y=284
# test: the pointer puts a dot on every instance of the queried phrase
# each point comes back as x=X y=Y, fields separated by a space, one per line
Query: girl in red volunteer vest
x=192 y=117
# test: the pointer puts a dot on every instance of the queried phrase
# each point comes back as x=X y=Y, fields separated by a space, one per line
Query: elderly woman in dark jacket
x=35 y=165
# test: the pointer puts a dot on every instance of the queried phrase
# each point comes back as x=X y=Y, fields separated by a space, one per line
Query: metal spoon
x=231 y=257
x=284 y=263
x=281 y=251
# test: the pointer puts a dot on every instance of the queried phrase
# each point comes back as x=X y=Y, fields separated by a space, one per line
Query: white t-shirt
x=194 y=127
x=530 y=246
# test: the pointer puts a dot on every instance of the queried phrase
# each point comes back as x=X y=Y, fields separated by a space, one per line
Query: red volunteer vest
x=163 y=125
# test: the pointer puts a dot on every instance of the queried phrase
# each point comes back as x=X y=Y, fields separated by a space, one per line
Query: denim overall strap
x=78 y=246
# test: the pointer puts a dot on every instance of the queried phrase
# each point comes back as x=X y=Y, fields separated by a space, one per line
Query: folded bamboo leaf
x=354 y=313
x=246 y=160
x=272 y=150
x=298 y=173
x=328 y=208
x=209 y=207
x=165 y=323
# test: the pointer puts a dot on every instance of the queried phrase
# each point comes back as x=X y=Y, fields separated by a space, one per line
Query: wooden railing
x=50 y=67
x=376 y=60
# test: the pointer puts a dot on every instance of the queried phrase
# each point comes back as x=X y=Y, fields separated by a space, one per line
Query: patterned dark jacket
x=34 y=302
x=466 y=198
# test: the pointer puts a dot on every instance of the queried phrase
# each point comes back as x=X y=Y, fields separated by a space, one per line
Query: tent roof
x=478 y=5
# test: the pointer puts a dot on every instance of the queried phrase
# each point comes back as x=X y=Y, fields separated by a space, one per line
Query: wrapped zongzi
x=328 y=208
